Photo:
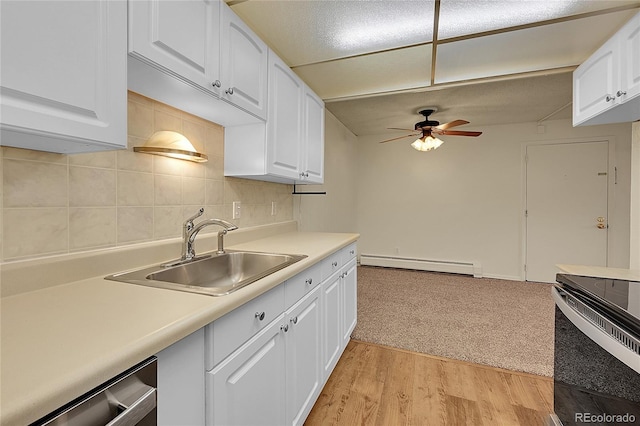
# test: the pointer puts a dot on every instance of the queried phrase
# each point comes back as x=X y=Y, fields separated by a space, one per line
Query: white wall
x=335 y=211
x=464 y=201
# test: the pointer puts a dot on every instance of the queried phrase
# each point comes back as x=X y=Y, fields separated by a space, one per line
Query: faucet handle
x=197 y=215
x=188 y=224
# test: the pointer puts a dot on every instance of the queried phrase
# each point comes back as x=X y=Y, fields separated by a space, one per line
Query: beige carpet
x=507 y=324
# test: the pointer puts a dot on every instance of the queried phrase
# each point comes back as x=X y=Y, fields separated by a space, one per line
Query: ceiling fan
x=427 y=128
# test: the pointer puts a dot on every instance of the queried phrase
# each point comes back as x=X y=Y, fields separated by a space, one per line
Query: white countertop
x=601 y=272
x=61 y=341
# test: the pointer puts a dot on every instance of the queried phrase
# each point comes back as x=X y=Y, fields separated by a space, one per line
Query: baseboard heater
x=454 y=267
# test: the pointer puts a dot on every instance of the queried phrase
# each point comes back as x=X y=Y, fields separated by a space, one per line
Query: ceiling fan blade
x=457 y=132
x=398 y=128
x=399 y=137
x=451 y=124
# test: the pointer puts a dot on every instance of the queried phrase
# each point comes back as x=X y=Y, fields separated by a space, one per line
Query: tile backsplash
x=57 y=203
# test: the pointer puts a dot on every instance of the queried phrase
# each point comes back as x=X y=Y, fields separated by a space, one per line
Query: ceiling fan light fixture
x=426 y=143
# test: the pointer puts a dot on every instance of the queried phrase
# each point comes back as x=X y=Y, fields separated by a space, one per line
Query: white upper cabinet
x=188 y=53
x=64 y=82
x=182 y=37
x=285 y=124
x=290 y=147
x=244 y=65
x=312 y=162
x=606 y=87
x=630 y=61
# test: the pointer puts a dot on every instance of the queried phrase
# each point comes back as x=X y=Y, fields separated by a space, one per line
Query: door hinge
x=526 y=213
x=525 y=268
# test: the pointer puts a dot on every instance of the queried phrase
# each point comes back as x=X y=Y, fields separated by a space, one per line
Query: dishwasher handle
x=136 y=411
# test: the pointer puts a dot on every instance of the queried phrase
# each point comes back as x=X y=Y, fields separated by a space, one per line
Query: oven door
x=596 y=366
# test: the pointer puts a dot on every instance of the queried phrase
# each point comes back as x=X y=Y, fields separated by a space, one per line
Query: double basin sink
x=215 y=275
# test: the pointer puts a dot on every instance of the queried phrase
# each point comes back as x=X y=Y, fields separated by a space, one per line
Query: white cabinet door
x=181 y=399
x=630 y=60
x=304 y=346
x=244 y=65
x=350 y=300
x=183 y=37
x=248 y=388
x=331 y=323
x=595 y=83
x=64 y=75
x=284 y=124
x=606 y=87
x=312 y=163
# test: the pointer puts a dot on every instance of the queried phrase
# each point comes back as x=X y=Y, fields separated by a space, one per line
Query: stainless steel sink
x=215 y=275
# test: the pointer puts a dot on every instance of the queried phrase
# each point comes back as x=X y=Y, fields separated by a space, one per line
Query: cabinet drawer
x=295 y=288
x=348 y=253
x=331 y=264
x=228 y=333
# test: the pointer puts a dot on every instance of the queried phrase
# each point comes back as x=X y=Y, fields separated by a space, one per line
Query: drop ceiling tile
x=462 y=17
x=380 y=72
x=305 y=32
x=550 y=46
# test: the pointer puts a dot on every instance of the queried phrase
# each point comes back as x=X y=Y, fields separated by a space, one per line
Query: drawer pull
x=294 y=320
x=284 y=327
x=260 y=315
x=334 y=264
x=309 y=281
x=352 y=251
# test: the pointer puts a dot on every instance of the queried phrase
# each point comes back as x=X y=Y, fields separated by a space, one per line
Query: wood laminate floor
x=378 y=385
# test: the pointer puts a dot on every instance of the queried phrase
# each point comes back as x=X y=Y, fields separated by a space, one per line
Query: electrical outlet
x=236 y=209
x=274 y=208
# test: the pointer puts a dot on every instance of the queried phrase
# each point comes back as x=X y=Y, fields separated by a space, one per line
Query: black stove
x=617 y=299
x=597 y=351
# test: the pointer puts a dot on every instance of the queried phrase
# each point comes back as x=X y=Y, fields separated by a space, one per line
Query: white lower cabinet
x=332 y=326
x=303 y=350
x=248 y=388
x=274 y=374
x=350 y=300
x=181 y=384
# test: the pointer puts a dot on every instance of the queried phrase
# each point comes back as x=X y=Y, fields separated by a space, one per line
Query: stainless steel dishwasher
x=127 y=399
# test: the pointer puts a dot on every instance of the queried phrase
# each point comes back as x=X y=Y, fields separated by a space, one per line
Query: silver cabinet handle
x=136 y=411
x=620 y=93
x=334 y=264
x=216 y=83
x=284 y=327
x=352 y=251
x=609 y=98
x=229 y=91
x=260 y=315
x=294 y=320
x=309 y=281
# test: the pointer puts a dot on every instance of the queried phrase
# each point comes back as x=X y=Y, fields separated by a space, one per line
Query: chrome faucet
x=190 y=230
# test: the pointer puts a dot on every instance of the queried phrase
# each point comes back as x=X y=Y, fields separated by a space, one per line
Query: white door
x=566 y=207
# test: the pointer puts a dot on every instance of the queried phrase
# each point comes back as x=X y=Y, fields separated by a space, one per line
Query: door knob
x=601 y=222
